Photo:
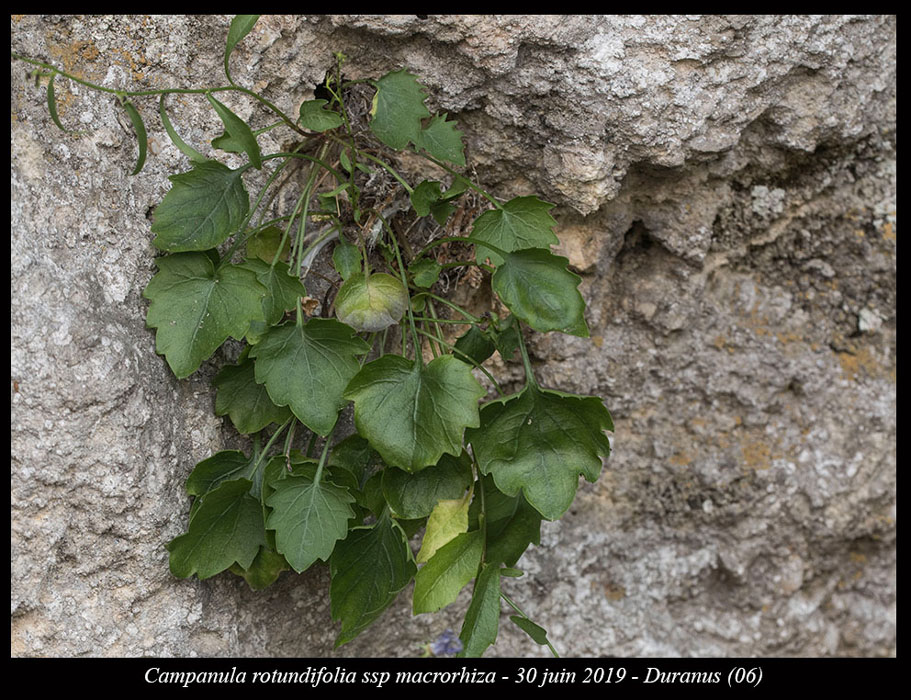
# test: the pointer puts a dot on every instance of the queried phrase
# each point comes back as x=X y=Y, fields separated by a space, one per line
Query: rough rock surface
x=726 y=186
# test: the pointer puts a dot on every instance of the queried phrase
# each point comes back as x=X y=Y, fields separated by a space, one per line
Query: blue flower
x=447 y=644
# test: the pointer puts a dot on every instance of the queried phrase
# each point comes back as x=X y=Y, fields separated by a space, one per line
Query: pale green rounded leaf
x=371 y=303
x=536 y=286
x=315 y=117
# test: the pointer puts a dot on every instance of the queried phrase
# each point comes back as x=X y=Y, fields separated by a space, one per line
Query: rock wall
x=726 y=187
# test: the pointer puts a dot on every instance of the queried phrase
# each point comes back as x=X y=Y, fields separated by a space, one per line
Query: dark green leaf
x=523 y=222
x=354 y=455
x=52 y=105
x=425 y=195
x=227 y=465
x=368 y=569
x=479 y=630
x=453 y=565
x=415 y=495
x=307 y=367
x=425 y=272
x=476 y=344
x=539 y=442
x=141 y=137
x=264 y=245
x=228 y=143
x=371 y=303
x=412 y=414
x=442 y=140
x=308 y=518
x=241 y=25
x=182 y=146
x=346 y=258
x=283 y=290
x=196 y=308
x=536 y=286
x=244 y=401
x=315 y=117
x=239 y=131
x=508 y=538
x=264 y=570
x=536 y=632
x=203 y=207
x=398 y=108
x=506 y=337
x=226 y=528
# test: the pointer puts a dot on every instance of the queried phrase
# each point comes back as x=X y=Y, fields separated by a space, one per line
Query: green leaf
x=307 y=367
x=536 y=286
x=371 y=303
x=448 y=520
x=315 y=117
x=283 y=290
x=438 y=583
x=536 y=632
x=227 y=465
x=141 y=136
x=203 y=207
x=442 y=140
x=239 y=132
x=482 y=620
x=244 y=401
x=264 y=570
x=241 y=25
x=424 y=196
x=415 y=495
x=523 y=222
x=346 y=258
x=354 y=455
x=539 y=442
x=508 y=538
x=476 y=344
x=506 y=336
x=425 y=272
x=182 y=146
x=196 y=308
x=368 y=569
x=227 y=528
x=264 y=245
x=228 y=143
x=308 y=517
x=52 y=105
x=398 y=108
x=412 y=414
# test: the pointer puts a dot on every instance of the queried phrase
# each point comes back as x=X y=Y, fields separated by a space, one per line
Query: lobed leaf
x=308 y=517
x=227 y=465
x=203 y=207
x=412 y=413
x=226 y=528
x=245 y=401
x=315 y=117
x=415 y=495
x=368 y=569
x=307 y=367
x=196 y=307
x=442 y=140
x=523 y=222
x=539 y=442
x=264 y=571
x=283 y=290
x=398 y=108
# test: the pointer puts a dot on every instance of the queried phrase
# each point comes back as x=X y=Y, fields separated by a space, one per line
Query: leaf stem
x=398 y=256
x=451 y=305
x=481 y=191
x=529 y=372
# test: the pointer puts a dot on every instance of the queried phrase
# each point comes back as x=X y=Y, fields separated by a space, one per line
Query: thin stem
x=322 y=459
x=443 y=320
x=468 y=359
x=398 y=255
x=521 y=612
x=529 y=372
x=433 y=313
x=472 y=185
x=454 y=307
